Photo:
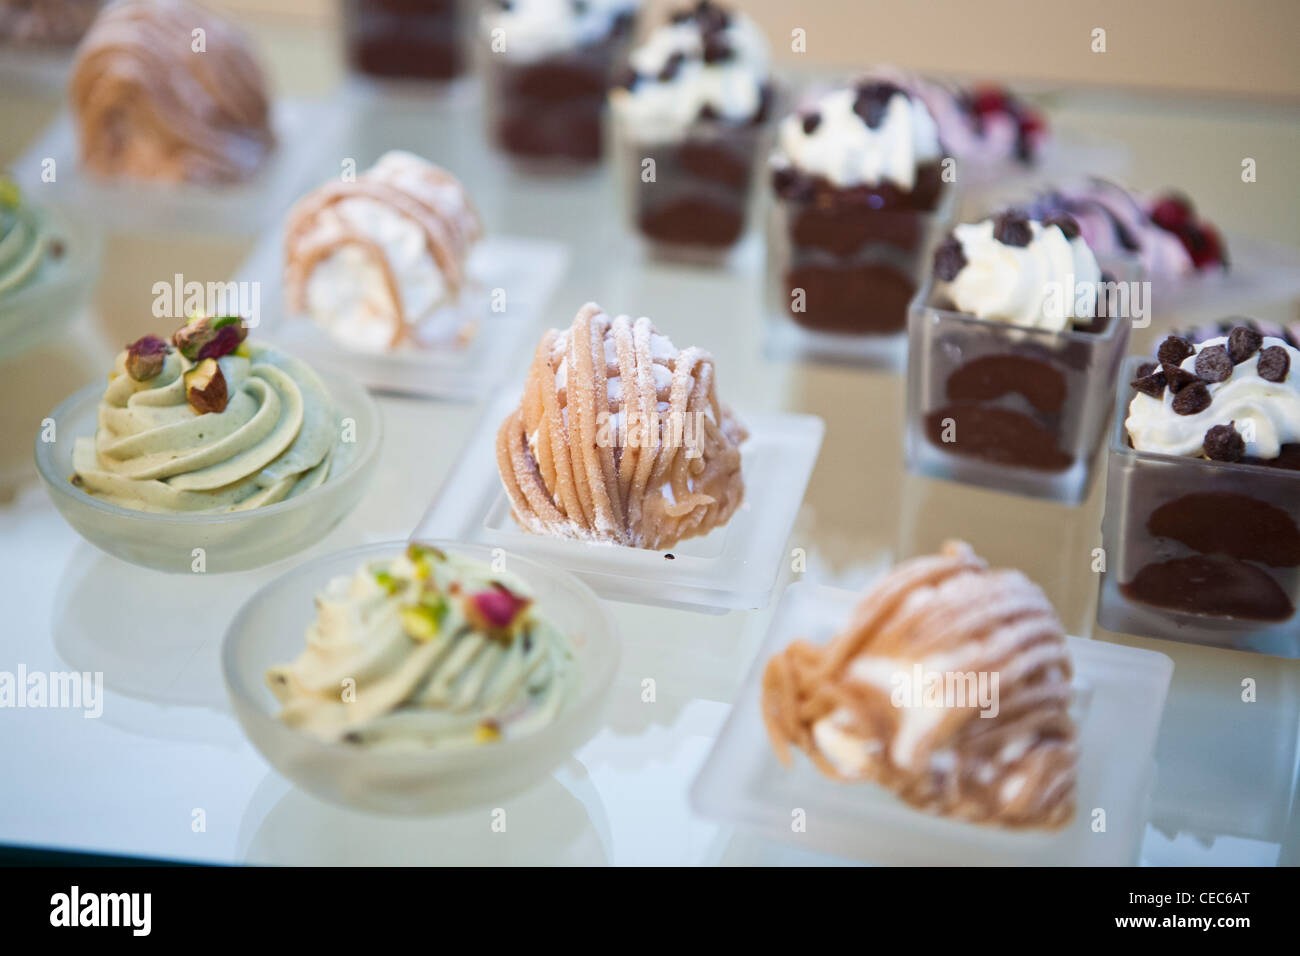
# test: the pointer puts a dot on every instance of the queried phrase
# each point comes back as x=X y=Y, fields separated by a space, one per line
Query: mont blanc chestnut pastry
x=380 y=261
x=149 y=105
x=1011 y=760
x=620 y=438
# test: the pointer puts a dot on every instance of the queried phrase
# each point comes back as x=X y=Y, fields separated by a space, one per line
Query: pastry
x=693 y=100
x=417 y=39
x=208 y=422
x=620 y=438
x=1198 y=539
x=45 y=23
x=445 y=654
x=857 y=175
x=550 y=66
x=26 y=242
x=379 y=261
x=1010 y=761
x=148 y=106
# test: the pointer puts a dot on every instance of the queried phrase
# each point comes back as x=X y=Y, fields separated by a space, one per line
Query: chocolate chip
x=670 y=556
x=711 y=17
x=1147 y=368
x=1192 y=399
x=1243 y=342
x=1173 y=350
x=811 y=122
x=872 y=101
x=1152 y=383
x=949 y=259
x=1224 y=443
x=1177 y=378
x=626 y=78
x=1213 y=364
x=717 y=49
x=1011 y=228
x=1274 y=364
x=708 y=113
x=671 y=66
x=1066 y=223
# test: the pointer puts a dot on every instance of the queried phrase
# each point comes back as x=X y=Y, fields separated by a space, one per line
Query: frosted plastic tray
x=742 y=782
x=307 y=133
x=527 y=270
x=733 y=567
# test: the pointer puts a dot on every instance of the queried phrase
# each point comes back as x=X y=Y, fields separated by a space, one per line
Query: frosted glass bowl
x=269 y=630
x=234 y=541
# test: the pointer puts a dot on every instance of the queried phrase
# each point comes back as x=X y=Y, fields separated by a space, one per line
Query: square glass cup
x=408 y=39
x=1200 y=551
x=1008 y=408
x=839 y=283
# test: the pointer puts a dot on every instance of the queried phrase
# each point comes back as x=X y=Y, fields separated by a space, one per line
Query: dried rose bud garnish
x=497 y=610
x=205 y=387
x=145 y=357
x=206 y=338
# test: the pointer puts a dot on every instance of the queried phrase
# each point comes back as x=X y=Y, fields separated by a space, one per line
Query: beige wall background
x=1228 y=47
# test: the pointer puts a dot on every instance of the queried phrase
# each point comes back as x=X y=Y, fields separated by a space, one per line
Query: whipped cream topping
x=535 y=29
x=843 y=149
x=1265 y=414
x=676 y=81
x=444 y=653
x=1048 y=283
x=276 y=438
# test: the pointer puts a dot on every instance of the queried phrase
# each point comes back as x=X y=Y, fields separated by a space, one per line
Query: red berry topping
x=1173 y=212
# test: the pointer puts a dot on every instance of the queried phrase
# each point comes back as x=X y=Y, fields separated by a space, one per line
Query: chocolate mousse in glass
x=1013 y=350
x=408 y=39
x=690 y=118
x=1202 y=524
x=859 y=197
x=548 y=67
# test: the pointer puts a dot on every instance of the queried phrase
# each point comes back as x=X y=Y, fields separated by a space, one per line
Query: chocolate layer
x=418 y=39
x=1230 y=524
x=868 y=299
x=1213 y=585
x=996 y=434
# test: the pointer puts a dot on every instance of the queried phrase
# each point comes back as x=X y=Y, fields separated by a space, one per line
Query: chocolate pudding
x=407 y=39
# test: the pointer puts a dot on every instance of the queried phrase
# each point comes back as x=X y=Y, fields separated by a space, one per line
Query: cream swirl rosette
x=209 y=423
x=426 y=650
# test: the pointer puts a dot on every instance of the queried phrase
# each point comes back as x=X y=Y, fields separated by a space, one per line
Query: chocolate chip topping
x=1152 y=383
x=1173 y=350
x=1192 y=399
x=1243 y=342
x=671 y=67
x=1147 y=368
x=1177 y=378
x=873 y=99
x=1224 y=443
x=811 y=122
x=711 y=17
x=717 y=49
x=1011 y=228
x=626 y=78
x=1064 y=222
x=1274 y=364
x=949 y=259
x=1213 y=364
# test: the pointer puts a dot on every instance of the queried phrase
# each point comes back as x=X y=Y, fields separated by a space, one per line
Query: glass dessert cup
x=549 y=113
x=269 y=629
x=839 y=281
x=234 y=541
x=699 y=203
x=408 y=39
x=1199 y=551
x=36 y=310
x=1008 y=408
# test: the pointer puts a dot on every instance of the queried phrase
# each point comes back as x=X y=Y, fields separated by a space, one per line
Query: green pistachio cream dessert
x=426 y=651
x=25 y=240
x=208 y=422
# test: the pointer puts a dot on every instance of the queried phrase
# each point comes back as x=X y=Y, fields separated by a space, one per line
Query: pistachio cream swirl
x=426 y=650
x=230 y=426
x=23 y=239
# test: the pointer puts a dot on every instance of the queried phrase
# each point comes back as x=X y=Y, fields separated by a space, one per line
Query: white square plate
x=742 y=781
x=525 y=270
x=733 y=567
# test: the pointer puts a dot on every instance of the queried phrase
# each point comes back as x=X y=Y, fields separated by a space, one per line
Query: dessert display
x=858 y=178
x=1013 y=357
x=28 y=243
x=207 y=422
x=445 y=653
x=416 y=39
x=620 y=438
x=1165 y=234
x=1012 y=765
x=45 y=23
x=550 y=66
x=148 y=106
x=379 y=261
x=694 y=101
x=1204 y=507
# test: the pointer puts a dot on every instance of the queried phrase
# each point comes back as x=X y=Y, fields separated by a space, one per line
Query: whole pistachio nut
x=206 y=337
x=145 y=357
x=205 y=387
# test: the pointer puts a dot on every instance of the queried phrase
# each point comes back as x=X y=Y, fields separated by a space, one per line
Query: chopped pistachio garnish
x=389 y=583
x=420 y=622
x=487 y=732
